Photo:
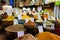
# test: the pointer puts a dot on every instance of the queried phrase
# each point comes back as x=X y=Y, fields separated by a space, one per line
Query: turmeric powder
x=25 y=16
x=9 y=18
x=47 y=36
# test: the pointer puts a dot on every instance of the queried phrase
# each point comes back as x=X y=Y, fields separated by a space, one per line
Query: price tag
x=19 y=17
x=26 y=20
x=40 y=28
x=32 y=19
x=20 y=34
x=9 y=12
x=28 y=9
x=15 y=21
x=39 y=9
x=52 y=26
x=46 y=1
x=16 y=10
x=44 y=25
x=45 y=19
x=33 y=9
x=53 y=18
x=39 y=17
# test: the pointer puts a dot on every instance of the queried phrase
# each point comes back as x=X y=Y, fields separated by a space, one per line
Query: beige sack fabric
x=27 y=37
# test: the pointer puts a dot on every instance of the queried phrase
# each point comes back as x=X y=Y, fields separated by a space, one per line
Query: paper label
x=40 y=28
x=26 y=20
x=9 y=12
x=20 y=34
x=32 y=19
x=52 y=26
x=53 y=18
x=44 y=24
x=15 y=21
x=33 y=9
x=39 y=9
x=39 y=17
x=46 y=1
x=16 y=10
x=19 y=17
x=45 y=19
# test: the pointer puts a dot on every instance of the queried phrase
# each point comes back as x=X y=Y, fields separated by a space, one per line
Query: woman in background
x=2 y=2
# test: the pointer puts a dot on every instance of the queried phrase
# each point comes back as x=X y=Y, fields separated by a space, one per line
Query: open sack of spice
x=47 y=36
x=30 y=24
x=15 y=28
x=27 y=37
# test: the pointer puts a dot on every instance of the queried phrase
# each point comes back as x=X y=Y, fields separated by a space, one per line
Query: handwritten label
x=32 y=19
x=45 y=19
x=20 y=34
x=26 y=20
x=39 y=17
x=9 y=12
x=44 y=25
x=19 y=17
x=15 y=21
x=40 y=28
x=52 y=26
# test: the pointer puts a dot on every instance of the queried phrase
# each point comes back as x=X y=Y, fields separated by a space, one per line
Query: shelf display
x=30 y=24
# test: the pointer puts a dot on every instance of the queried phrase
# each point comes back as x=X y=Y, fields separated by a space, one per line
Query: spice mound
x=15 y=28
x=47 y=36
x=30 y=23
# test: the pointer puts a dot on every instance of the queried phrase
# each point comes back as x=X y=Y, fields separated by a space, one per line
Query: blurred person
x=3 y=2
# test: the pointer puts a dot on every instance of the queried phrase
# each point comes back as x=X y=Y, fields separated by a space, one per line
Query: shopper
x=3 y=2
